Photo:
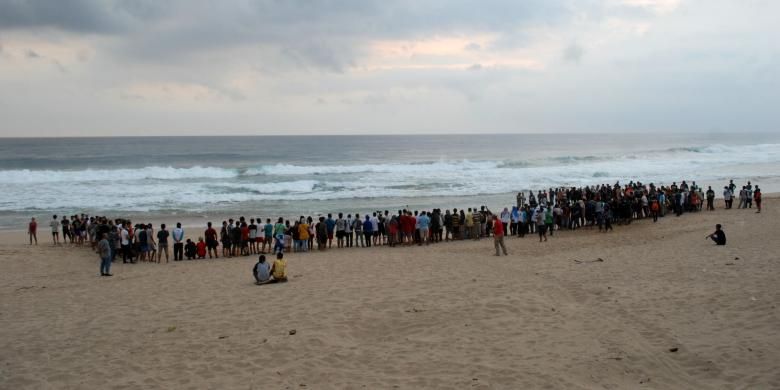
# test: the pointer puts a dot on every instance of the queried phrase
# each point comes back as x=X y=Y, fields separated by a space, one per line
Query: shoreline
x=194 y=222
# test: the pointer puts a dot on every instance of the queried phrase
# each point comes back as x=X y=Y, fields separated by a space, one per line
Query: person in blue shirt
x=368 y=230
x=330 y=223
x=423 y=224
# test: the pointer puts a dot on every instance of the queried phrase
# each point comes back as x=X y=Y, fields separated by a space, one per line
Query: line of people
x=540 y=214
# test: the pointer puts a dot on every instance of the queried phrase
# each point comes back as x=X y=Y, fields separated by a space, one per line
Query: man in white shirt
x=124 y=239
x=178 y=244
x=55 y=230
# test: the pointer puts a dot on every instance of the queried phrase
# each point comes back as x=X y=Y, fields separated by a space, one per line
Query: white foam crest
x=96 y=175
x=430 y=167
x=297 y=186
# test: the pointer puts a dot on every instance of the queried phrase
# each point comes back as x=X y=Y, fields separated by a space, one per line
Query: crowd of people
x=541 y=214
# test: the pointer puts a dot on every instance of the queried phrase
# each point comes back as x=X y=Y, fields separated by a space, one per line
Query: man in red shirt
x=498 y=235
x=211 y=240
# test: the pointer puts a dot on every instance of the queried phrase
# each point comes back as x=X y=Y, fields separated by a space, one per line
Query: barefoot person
x=162 y=243
x=211 y=240
x=719 y=237
x=498 y=236
x=55 y=230
x=32 y=228
x=104 y=250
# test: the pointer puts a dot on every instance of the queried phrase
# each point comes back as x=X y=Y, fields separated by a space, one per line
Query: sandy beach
x=663 y=309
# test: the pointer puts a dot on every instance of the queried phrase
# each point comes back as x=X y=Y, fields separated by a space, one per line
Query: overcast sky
x=153 y=67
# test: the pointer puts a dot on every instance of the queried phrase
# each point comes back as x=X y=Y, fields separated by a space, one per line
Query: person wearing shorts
x=162 y=243
x=225 y=237
x=211 y=240
x=330 y=224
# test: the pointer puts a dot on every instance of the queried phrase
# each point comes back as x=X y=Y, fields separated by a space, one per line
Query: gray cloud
x=326 y=34
x=573 y=53
x=240 y=63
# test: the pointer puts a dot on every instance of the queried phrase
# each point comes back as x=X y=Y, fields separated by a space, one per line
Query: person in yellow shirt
x=279 y=269
x=303 y=236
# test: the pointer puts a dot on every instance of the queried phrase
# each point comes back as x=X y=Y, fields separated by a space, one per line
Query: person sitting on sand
x=262 y=271
x=279 y=269
x=718 y=236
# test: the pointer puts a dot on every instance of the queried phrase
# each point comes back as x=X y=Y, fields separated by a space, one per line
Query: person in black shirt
x=718 y=236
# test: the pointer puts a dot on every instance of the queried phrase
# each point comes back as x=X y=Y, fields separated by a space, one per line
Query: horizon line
x=551 y=133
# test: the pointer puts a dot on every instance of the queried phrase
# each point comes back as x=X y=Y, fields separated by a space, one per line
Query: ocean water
x=193 y=178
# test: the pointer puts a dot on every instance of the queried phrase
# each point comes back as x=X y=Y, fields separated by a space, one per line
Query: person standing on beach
x=424 y=221
x=498 y=236
x=252 y=236
x=756 y=198
x=162 y=243
x=348 y=224
x=211 y=240
x=178 y=245
x=710 y=199
x=104 y=250
x=540 y=226
x=66 y=230
x=55 y=230
x=330 y=224
x=32 y=230
x=728 y=197
x=124 y=241
x=368 y=230
x=358 y=228
x=340 y=228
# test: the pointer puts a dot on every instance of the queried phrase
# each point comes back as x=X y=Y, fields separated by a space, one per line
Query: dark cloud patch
x=573 y=53
x=72 y=15
x=473 y=46
x=328 y=34
x=32 y=54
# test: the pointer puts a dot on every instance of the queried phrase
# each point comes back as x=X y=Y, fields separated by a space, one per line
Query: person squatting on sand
x=543 y=213
x=719 y=237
